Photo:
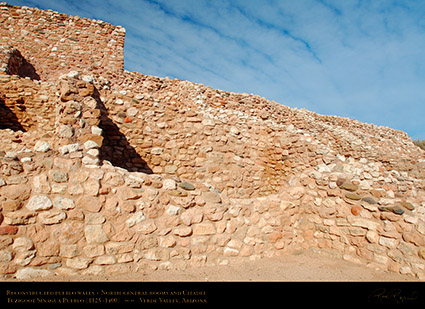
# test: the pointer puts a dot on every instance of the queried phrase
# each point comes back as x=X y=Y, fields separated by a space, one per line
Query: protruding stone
x=182 y=231
x=63 y=203
x=369 y=200
x=349 y=186
x=187 y=186
x=355 y=210
x=394 y=209
x=42 y=146
x=211 y=197
x=95 y=234
x=39 y=202
x=32 y=273
x=89 y=203
x=91 y=145
x=8 y=230
x=353 y=196
x=204 y=229
x=407 y=205
x=52 y=217
x=78 y=262
x=421 y=253
x=58 y=176
x=136 y=218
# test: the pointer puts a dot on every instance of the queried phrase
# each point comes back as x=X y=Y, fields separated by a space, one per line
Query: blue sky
x=359 y=59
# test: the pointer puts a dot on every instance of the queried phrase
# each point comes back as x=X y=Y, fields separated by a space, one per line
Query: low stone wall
x=73 y=220
x=363 y=215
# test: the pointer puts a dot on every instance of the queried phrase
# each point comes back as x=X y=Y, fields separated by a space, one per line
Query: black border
x=275 y=294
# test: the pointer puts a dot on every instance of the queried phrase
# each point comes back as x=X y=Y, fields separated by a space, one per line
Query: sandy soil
x=302 y=266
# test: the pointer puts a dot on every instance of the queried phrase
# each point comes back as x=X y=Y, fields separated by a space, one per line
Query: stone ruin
x=107 y=171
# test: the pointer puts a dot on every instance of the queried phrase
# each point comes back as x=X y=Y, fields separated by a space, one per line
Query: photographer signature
x=383 y=295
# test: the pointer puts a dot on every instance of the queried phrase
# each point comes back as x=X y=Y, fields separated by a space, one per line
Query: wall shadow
x=8 y=119
x=115 y=148
x=27 y=70
x=18 y=65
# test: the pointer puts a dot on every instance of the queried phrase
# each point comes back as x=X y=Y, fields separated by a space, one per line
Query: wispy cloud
x=360 y=59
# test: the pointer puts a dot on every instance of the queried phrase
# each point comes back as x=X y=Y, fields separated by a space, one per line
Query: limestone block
x=63 y=203
x=204 y=229
x=135 y=219
x=52 y=217
x=95 y=234
x=39 y=203
x=78 y=262
x=42 y=146
x=32 y=273
x=182 y=231
x=89 y=203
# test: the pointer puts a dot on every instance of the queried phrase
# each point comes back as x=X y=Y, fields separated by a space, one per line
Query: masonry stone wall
x=112 y=171
x=56 y=43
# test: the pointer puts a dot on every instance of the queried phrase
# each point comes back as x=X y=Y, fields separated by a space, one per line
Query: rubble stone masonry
x=108 y=171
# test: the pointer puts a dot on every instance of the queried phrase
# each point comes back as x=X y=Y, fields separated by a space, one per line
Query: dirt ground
x=301 y=266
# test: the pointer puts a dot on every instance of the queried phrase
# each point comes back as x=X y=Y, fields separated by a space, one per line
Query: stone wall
x=26 y=104
x=56 y=43
x=118 y=172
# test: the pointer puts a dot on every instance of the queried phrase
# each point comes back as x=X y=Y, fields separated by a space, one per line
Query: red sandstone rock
x=355 y=210
x=8 y=230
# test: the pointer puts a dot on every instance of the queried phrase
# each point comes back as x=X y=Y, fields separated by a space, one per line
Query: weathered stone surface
x=135 y=219
x=94 y=218
x=182 y=231
x=78 y=262
x=407 y=205
x=39 y=203
x=89 y=203
x=95 y=234
x=394 y=209
x=187 y=186
x=58 y=176
x=369 y=200
x=42 y=146
x=91 y=187
x=169 y=184
x=173 y=210
x=19 y=217
x=48 y=249
x=8 y=230
x=23 y=244
x=32 y=273
x=126 y=193
x=349 y=186
x=146 y=227
x=63 y=203
x=16 y=192
x=192 y=216
x=365 y=223
x=52 y=217
x=414 y=238
x=5 y=256
x=204 y=229
x=69 y=251
x=353 y=196
x=69 y=232
x=421 y=253
x=105 y=260
x=211 y=197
